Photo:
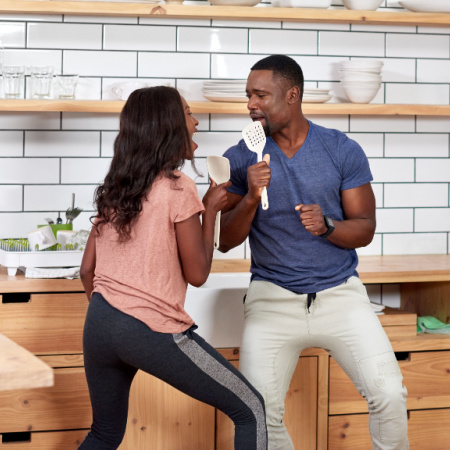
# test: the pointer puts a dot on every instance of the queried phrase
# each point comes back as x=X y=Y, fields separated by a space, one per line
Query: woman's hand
x=215 y=198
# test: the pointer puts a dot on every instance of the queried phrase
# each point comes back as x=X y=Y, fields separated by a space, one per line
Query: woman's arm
x=196 y=239
x=87 y=269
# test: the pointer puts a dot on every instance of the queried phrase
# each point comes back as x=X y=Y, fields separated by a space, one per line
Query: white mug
x=43 y=237
x=123 y=90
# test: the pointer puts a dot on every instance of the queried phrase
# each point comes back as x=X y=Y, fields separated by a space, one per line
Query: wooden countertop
x=376 y=269
x=20 y=369
x=371 y=269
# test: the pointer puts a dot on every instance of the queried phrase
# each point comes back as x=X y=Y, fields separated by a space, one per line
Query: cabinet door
x=301 y=409
x=47 y=323
x=427 y=429
x=66 y=405
x=162 y=418
x=425 y=375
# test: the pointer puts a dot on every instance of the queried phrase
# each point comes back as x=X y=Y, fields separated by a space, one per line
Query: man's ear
x=293 y=95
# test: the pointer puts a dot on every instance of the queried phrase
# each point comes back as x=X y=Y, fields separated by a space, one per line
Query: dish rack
x=16 y=253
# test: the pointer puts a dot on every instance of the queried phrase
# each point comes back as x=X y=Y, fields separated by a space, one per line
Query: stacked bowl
x=360 y=79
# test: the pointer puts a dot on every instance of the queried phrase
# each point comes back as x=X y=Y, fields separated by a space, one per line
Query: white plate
x=316 y=99
x=221 y=98
x=442 y=6
x=302 y=3
x=234 y=2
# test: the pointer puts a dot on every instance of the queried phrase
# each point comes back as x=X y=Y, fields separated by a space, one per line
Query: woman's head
x=153 y=139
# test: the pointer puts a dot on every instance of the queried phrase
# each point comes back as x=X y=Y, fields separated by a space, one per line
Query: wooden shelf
x=224 y=12
x=111 y=106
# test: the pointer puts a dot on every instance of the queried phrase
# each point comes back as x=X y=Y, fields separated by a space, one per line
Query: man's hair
x=284 y=68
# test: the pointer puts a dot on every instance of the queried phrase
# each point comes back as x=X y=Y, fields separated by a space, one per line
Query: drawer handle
x=16 y=437
x=16 y=297
x=402 y=356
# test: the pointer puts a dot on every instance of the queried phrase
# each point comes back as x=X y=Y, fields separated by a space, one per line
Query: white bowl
x=369 y=70
x=360 y=93
x=366 y=5
x=234 y=2
x=360 y=77
x=361 y=64
x=301 y=3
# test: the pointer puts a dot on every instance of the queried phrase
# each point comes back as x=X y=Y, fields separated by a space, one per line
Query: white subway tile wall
x=45 y=157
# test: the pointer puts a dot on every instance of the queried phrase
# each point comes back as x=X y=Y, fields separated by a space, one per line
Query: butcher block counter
x=323 y=409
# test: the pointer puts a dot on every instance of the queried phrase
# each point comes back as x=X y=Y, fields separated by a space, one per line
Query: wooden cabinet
x=323 y=409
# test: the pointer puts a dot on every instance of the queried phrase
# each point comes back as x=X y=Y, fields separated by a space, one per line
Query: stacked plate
x=225 y=90
x=361 y=79
x=315 y=95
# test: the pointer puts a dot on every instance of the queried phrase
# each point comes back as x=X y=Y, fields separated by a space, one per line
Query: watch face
x=329 y=222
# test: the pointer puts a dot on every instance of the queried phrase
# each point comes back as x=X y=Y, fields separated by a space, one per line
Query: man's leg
x=270 y=349
x=342 y=322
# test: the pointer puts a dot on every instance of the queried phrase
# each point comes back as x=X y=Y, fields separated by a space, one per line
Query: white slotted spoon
x=219 y=171
x=255 y=139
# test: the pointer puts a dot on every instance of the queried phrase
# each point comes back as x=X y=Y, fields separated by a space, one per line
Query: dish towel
x=56 y=272
x=429 y=324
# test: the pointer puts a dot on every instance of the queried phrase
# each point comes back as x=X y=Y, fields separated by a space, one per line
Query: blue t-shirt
x=282 y=251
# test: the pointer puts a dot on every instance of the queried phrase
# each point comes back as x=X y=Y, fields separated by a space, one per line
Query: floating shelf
x=112 y=106
x=144 y=9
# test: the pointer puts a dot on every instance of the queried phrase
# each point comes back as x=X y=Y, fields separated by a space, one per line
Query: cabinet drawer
x=426 y=430
x=54 y=440
x=66 y=405
x=425 y=374
x=47 y=323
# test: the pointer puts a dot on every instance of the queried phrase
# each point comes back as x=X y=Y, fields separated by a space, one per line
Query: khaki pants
x=278 y=326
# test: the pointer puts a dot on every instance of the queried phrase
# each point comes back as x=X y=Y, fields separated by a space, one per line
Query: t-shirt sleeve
x=185 y=201
x=355 y=166
x=238 y=170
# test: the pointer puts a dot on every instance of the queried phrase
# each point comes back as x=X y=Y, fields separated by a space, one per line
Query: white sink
x=217 y=308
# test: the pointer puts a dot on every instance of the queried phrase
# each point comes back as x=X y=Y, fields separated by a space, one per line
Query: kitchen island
x=323 y=409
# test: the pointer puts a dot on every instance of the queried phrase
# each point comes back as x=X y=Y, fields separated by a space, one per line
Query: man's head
x=274 y=91
x=285 y=70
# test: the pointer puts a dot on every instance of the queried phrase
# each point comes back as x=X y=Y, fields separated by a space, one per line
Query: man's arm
x=358 y=227
x=237 y=217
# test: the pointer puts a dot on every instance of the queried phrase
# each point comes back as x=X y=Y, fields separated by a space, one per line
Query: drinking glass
x=41 y=81
x=67 y=85
x=12 y=81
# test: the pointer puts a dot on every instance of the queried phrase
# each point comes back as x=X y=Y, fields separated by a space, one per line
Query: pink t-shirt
x=143 y=277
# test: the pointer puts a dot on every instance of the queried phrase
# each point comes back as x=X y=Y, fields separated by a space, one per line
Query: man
x=305 y=291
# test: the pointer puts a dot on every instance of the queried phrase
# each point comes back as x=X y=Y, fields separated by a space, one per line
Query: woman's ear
x=293 y=95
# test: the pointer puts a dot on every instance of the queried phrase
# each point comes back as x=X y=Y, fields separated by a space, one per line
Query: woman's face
x=191 y=123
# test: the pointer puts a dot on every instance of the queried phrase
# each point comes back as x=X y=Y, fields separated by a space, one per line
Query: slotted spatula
x=255 y=138
x=219 y=171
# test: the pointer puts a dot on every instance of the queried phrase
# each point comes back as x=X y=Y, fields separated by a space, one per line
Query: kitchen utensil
x=72 y=213
x=49 y=221
x=219 y=171
x=255 y=139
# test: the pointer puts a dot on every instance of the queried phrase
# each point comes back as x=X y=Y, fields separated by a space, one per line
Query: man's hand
x=312 y=219
x=258 y=177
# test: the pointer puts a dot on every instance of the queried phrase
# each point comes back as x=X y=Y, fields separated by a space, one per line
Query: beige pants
x=278 y=326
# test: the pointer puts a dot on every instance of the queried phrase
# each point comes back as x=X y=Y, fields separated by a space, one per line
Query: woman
x=146 y=244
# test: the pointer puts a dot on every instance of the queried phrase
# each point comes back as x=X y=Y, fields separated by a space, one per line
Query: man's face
x=266 y=100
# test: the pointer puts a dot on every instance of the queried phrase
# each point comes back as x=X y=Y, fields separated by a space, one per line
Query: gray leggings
x=116 y=345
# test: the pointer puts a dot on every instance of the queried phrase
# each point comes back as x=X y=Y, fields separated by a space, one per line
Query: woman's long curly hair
x=153 y=139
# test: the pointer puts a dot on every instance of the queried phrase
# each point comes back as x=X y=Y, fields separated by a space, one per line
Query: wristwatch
x=329 y=224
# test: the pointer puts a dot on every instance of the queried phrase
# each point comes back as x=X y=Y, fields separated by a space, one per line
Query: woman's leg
x=109 y=379
x=187 y=362
x=117 y=344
